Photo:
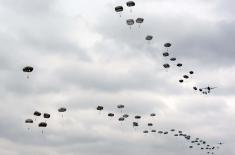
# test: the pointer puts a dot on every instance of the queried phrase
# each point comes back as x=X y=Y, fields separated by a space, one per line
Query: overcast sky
x=85 y=55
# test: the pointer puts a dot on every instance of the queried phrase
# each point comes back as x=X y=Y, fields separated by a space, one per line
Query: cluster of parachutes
x=166 y=54
x=29 y=121
x=121 y=117
x=45 y=116
x=186 y=76
x=150 y=129
x=130 y=22
x=167 y=65
x=193 y=142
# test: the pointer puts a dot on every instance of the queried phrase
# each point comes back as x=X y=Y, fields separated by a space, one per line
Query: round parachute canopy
x=191 y=72
x=145 y=131
x=130 y=3
x=118 y=8
x=148 y=37
x=179 y=65
x=172 y=130
x=181 y=81
x=186 y=76
x=135 y=124
x=173 y=59
x=166 y=66
x=195 y=88
x=154 y=131
x=28 y=121
x=36 y=113
x=137 y=117
x=130 y=22
x=121 y=119
x=100 y=108
x=42 y=124
x=120 y=106
x=190 y=147
x=165 y=54
x=46 y=115
x=153 y=114
x=125 y=116
x=176 y=135
x=165 y=133
x=62 y=109
x=28 y=69
x=150 y=124
x=111 y=115
x=160 y=132
x=139 y=20
x=167 y=45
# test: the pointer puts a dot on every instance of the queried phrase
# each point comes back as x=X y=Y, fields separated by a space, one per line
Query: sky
x=84 y=55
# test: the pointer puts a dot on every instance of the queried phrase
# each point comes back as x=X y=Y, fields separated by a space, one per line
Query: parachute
x=160 y=132
x=42 y=125
x=130 y=22
x=125 y=116
x=165 y=54
x=46 y=115
x=100 y=108
x=119 y=9
x=137 y=117
x=186 y=76
x=148 y=37
x=191 y=72
x=179 y=65
x=181 y=81
x=120 y=106
x=139 y=21
x=62 y=110
x=167 y=45
x=111 y=115
x=166 y=65
x=173 y=59
x=28 y=121
x=145 y=131
x=135 y=124
x=37 y=114
x=27 y=69
x=121 y=119
x=130 y=4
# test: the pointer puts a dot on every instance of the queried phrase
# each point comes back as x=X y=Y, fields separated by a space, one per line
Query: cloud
x=84 y=55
